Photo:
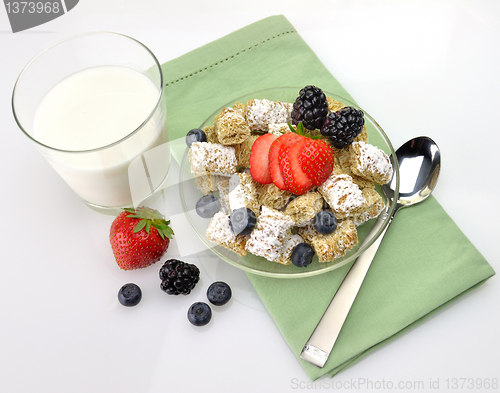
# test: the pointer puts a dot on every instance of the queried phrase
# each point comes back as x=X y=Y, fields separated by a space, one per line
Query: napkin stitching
x=228 y=58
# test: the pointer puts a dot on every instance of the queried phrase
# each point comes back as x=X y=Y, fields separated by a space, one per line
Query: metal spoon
x=419 y=163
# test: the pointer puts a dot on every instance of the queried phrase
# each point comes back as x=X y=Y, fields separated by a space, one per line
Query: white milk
x=94 y=108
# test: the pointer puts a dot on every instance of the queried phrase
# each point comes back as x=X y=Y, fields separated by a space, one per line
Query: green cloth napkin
x=424 y=262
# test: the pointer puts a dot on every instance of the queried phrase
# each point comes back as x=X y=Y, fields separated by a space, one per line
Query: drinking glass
x=108 y=161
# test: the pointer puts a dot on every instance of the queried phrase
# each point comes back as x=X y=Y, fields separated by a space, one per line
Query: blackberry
x=310 y=108
x=178 y=277
x=343 y=126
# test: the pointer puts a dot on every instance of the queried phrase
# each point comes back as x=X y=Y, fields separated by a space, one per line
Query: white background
x=419 y=67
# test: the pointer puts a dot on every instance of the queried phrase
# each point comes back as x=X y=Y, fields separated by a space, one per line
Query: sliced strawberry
x=316 y=160
x=295 y=179
x=259 y=158
x=274 y=162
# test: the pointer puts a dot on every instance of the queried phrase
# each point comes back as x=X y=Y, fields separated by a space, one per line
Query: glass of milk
x=94 y=105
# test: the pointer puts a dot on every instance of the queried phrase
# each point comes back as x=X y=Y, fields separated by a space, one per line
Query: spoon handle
x=320 y=344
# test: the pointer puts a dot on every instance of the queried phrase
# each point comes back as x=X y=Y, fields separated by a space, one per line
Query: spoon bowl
x=419 y=163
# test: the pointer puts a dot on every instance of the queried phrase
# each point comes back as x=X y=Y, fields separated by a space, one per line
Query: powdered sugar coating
x=219 y=232
x=372 y=163
x=261 y=113
x=236 y=192
x=286 y=252
x=223 y=187
x=243 y=192
x=342 y=195
x=212 y=157
x=373 y=207
x=270 y=234
x=370 y=213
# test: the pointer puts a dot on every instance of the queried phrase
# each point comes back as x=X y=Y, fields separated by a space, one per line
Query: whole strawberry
x=139 y=237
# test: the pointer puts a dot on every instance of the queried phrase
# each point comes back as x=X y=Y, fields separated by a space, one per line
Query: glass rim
x=73 y=37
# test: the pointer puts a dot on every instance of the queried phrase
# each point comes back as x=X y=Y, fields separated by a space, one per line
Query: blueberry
x=129 y=295
x=199 y=314
x=195 y=135
x=242 y=221
x=207 y=206
x=302 y=255
x=219 y=293
x=325 y=222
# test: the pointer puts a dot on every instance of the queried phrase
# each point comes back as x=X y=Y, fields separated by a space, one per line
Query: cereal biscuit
x=337 y=170
x=342 y=195
x=362 y=182
x=279 y=128
x=223 y=187
x=231 y=126
x=303 y=208
x=336 y=244
x=307 y=232
x=243 y=192
x=372 y=208
x=286 y=253
x=343 y=161
x=243 y=150
x=271 y=196
x=211 y=134
x=213 y=158
x=370 y=162
x=345 y=158
x=261 y=113
x=241 y=107
x=208 y=183
x=334 y=105
x=219 y=232
x=269 y=236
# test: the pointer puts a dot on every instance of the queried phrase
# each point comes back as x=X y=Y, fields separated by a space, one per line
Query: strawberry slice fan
x=296 y=161
x=259 y=161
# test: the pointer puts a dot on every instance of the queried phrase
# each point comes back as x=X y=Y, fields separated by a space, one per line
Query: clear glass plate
x=257 y=265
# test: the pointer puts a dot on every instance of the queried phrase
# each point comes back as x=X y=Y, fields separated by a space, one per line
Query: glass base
x=115 y=210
